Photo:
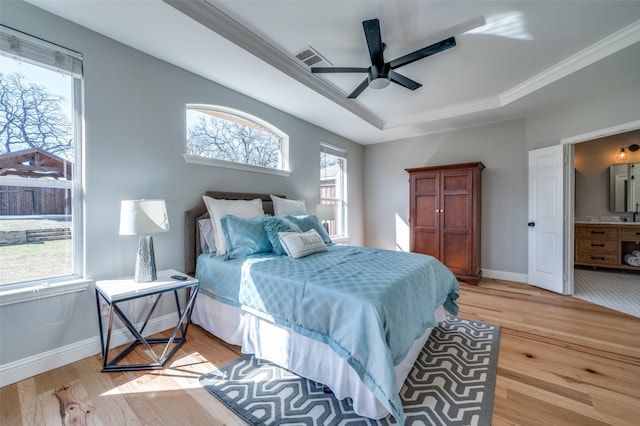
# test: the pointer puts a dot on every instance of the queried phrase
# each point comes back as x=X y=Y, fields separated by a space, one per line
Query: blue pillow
x=244 y=236
x=273 y=225
x=309 y=222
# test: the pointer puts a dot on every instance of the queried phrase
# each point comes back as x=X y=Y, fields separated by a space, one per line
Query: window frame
x=53 y=57
x=285 y=169
x=328 y=149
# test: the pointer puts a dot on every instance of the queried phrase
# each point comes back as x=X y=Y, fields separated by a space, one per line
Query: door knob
x=531 y=224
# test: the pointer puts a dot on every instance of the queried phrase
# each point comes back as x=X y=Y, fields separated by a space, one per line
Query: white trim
x=602 y=133
x=477 y=105
x=46 y=361
x=192 y=159
x=597 y=51
x=503 y=275
x=39 y=183
x=10 y=294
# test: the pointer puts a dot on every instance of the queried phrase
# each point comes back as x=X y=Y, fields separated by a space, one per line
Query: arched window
x=226 y=137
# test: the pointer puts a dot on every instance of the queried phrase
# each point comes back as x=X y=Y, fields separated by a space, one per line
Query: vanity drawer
x=630 y=233
x=600 y=246
x=591 y=257
x=598 y=232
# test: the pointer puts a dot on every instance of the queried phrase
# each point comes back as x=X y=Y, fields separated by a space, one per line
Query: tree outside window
x=333 y=189
x=39 y=161
x=222 y=135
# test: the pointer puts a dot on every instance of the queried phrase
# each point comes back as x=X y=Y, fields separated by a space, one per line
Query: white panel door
x=546 y=218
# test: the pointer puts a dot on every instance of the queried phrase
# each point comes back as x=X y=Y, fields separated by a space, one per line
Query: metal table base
x=158 y=361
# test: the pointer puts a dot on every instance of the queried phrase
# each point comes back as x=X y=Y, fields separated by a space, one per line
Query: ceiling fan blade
x=403 y=81
x=337 y=69
x=359 y=89
x=423 y=53
x=374 y=40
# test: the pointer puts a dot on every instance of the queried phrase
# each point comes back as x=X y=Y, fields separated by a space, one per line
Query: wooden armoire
x=444 y=216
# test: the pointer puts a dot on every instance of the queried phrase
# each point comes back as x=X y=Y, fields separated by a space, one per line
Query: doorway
x=588 y=195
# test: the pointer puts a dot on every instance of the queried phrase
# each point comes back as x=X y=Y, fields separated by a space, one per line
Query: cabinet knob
x=531 y=224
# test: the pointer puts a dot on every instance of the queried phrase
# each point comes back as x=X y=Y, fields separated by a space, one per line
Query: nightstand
x=115 y=292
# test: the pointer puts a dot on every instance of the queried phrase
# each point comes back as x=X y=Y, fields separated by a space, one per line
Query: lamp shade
x=141 y=217
x=325 y=212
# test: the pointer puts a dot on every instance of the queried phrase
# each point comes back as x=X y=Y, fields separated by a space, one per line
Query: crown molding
x=221 y=23
x=617 y=41
x=597 y=51
x=456 y=110
x=602 y=133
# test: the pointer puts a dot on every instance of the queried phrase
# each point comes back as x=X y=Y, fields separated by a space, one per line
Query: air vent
x=311 y=57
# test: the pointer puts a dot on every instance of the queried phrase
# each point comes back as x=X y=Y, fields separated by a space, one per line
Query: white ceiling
x=527 y=55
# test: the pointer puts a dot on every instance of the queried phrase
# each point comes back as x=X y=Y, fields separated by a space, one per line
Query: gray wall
x=500 y=147
x=503 y=148
x=134 y=115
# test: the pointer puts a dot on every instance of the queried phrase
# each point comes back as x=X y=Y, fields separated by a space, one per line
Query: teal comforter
x=368 y=305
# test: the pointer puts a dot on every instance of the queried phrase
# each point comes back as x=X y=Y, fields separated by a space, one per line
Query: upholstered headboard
x=192 y=231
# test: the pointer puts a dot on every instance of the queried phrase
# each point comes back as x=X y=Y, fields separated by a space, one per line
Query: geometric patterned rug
x=451 y=383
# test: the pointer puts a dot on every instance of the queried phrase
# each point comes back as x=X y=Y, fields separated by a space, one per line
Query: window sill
x=190 y=159
x=340 y=240
x=42 y=290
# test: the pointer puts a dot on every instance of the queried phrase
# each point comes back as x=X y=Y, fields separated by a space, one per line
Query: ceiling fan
x=381 y=73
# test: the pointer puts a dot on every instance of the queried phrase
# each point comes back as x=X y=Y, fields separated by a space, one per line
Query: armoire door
x=425 y=218
x=456 y=243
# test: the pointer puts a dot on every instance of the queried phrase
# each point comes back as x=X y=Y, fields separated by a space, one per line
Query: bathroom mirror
x=624 y=188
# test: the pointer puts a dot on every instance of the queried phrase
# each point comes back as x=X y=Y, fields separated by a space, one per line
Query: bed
x=352 y=318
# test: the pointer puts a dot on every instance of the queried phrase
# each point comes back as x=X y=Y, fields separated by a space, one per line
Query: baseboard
x=502 y=275
x=43 y=362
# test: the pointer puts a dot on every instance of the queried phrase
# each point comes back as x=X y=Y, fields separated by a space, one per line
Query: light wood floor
x=562 y=361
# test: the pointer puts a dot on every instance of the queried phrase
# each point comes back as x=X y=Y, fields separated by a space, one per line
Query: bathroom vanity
x=606 y=244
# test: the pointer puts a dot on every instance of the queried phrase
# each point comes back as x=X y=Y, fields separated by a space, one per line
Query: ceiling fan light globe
x=379 y=83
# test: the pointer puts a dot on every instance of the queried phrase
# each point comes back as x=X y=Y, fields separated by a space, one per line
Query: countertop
x=590 y=222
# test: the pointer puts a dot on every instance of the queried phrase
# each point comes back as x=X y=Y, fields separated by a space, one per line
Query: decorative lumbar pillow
x=244 y=236
x=308 y=222
x=284 y=207
x=274 y=225
x=301 y=244
x=240 y=208
x=207 y=237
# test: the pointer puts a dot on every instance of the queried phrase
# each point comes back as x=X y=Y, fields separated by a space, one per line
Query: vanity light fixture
x=623 y=154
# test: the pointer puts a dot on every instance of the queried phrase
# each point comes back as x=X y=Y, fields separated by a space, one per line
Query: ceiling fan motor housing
x=379 y=76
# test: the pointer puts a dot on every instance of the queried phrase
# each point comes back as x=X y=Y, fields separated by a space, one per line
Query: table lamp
x=144 y=217
x=325 y=212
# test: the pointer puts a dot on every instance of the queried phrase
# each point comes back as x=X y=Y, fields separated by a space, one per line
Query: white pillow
x=241 y=208
x=300 y=244
x=284 y=207
x=207 y=237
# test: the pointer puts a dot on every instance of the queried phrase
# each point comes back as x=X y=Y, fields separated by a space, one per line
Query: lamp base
x=145 y=261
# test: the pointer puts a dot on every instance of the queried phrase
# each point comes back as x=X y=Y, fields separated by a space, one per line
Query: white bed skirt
x=298 y=353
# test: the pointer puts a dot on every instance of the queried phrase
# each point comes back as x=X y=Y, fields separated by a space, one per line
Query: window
x=333 y=186
x=40 y=170
x=228 y=138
